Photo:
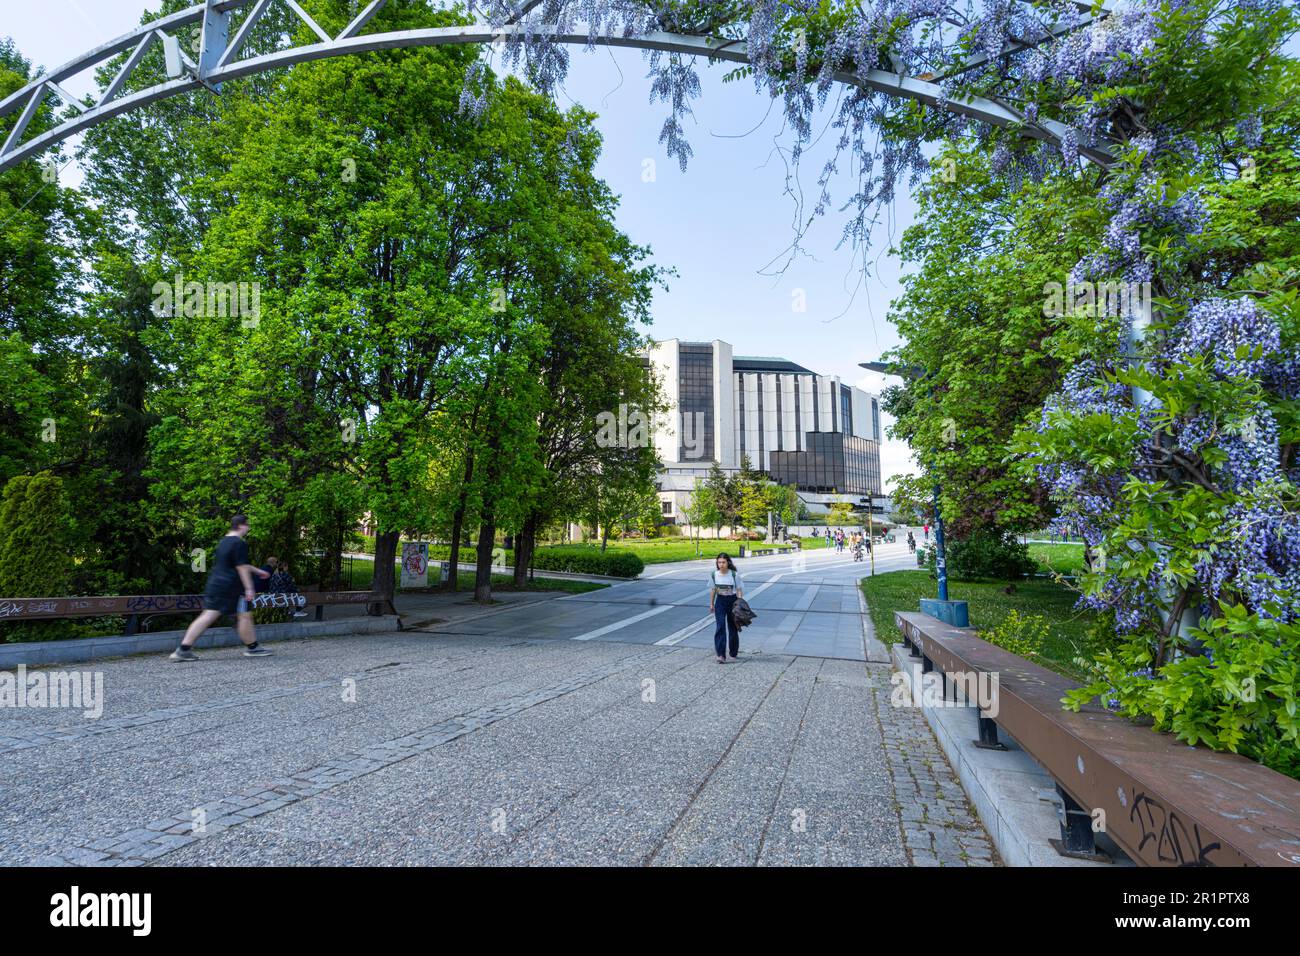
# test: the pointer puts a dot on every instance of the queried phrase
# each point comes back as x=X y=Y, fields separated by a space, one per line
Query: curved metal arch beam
x=893 y=84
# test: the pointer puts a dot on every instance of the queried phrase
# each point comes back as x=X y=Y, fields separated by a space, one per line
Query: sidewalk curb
x=33 y=653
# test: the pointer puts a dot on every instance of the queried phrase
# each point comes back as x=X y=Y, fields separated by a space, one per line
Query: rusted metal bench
x=1164 y=803
x=134 y=607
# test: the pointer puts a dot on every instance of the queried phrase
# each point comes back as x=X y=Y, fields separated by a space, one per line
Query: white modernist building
x=797 y=427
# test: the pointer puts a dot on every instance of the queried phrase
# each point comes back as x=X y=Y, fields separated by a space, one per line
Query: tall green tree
x=42 y=228
x=979 y=331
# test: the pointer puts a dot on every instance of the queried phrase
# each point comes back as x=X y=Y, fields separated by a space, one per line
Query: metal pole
x=871 y=533
x=940 y=558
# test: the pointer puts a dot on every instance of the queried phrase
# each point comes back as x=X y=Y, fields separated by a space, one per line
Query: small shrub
x=587 y=560
x=988 y=555
x=1240 y=695
x=1025 y=635
x=35 y=551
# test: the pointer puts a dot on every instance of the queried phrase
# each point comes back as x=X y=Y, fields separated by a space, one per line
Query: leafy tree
x=841 y=513
x=41 y=228
x=987 y=255
x=35 y=537
x=723 y=498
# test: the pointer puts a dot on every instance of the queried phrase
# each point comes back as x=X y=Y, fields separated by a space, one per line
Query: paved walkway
x=567 y=729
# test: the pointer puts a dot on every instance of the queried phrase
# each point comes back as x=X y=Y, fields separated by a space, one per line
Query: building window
x=740 y=392
x=695 y=401
x=666 y=506
x=834 y=462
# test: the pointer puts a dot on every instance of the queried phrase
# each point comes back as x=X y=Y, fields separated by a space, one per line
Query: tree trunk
x=385 y=582
x=458 y=525
x=487 y=534
x=457 y=529
x=525 y=543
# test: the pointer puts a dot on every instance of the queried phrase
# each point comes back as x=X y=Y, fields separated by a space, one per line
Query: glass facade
x=833 y=462
x=846 y=411
x=695 y=402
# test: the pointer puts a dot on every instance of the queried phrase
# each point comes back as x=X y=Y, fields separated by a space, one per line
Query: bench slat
x=46 y=609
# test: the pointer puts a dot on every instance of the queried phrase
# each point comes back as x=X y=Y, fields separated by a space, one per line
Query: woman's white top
x=726 y=582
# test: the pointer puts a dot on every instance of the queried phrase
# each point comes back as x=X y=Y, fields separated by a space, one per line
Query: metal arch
x=213 y=69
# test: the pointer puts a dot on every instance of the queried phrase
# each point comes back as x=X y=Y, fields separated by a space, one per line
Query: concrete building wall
x=862 y=415
x=724 y=402
x=751 y=417
x=664 y=362
x=770 y=422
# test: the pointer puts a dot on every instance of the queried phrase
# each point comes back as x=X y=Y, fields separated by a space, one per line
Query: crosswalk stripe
x=619 y=625
x=678 y=636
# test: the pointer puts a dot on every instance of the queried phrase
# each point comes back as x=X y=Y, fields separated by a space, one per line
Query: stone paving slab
x=500 y=747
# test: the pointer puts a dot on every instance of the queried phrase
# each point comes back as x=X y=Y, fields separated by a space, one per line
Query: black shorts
x=226 y=603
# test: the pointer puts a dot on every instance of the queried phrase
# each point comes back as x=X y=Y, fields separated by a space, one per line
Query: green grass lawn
x=649 y=550
x=666 y=550
x=989 y=607
x=1061 y=558
x=808 y=544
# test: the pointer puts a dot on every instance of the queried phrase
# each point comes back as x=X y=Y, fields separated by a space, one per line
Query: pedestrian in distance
x=231 y=570
x=725 y=588
x=261 y=585
x=282 y=582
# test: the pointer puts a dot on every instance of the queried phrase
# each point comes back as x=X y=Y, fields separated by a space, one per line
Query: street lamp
x=945 y=610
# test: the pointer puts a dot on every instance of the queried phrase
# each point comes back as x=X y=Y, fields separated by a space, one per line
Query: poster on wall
x=415 y=564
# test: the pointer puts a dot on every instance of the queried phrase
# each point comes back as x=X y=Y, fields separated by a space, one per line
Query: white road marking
x=619 y=625
x=678 y=636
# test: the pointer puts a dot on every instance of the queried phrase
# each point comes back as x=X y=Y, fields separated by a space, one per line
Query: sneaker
x=257 y=652
x=183 y=654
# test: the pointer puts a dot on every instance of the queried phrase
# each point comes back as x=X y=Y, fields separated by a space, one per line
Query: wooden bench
x=134 y=607
x=1164 y=803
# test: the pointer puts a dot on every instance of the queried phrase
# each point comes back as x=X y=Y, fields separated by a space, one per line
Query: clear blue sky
x=724 y=224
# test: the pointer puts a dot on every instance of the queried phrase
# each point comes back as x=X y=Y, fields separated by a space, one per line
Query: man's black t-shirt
x=232 y=551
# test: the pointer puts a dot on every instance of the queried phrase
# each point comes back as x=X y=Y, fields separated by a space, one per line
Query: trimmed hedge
x=586 y=560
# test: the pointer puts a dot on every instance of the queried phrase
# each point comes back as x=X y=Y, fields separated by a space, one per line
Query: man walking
x=231 y=569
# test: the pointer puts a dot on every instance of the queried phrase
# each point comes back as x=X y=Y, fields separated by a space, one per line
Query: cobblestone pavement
x=938 y=824
x=438 y=747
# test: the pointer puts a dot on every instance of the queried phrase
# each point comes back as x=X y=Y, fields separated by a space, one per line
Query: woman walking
x=725 y=587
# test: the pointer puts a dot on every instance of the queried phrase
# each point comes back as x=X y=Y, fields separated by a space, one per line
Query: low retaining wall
x=93 y=648
x=1014 y=797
